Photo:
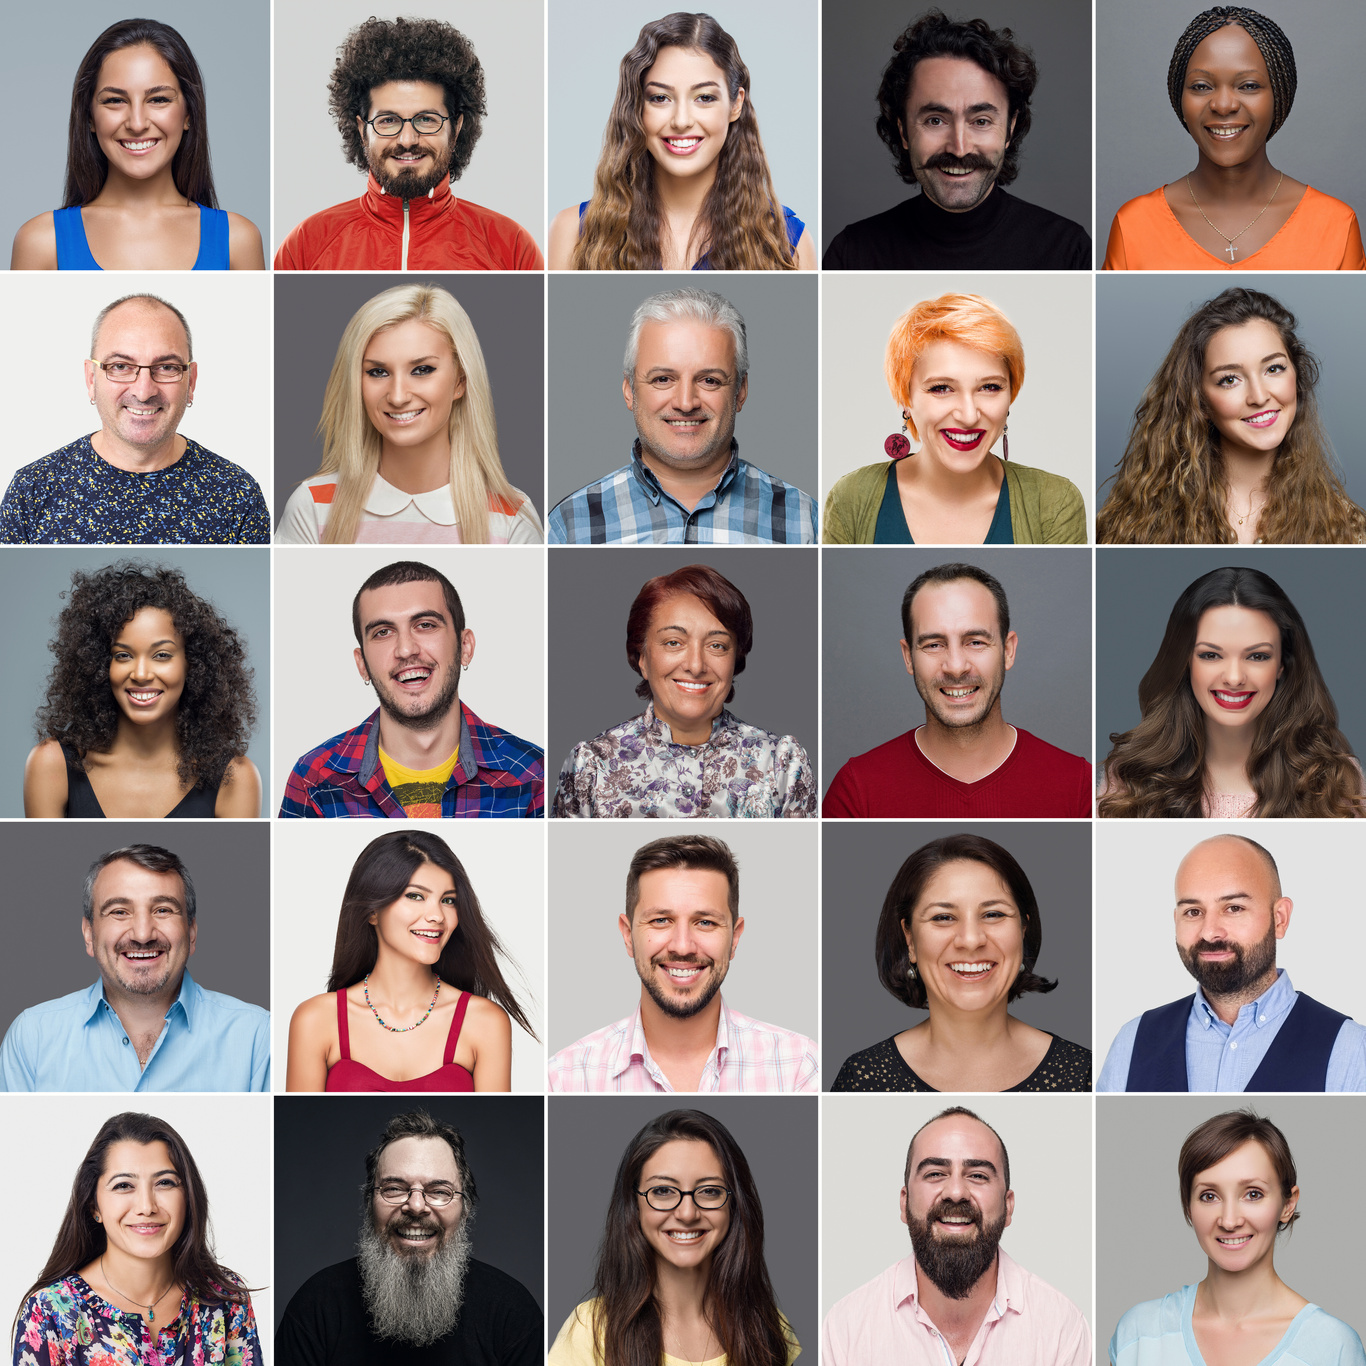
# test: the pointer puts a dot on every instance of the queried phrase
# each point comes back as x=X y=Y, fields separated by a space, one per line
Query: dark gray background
x=311 y=313
x=1136 y=589
x=1139 y=314
x=589 y=1134
x=235 y=579
x=231 y=45
x=1140 y=143
x=592 y=428
x=859 y=864
x=591 y=597
x=856 y=45
x=869 y=698
x=320 y=1147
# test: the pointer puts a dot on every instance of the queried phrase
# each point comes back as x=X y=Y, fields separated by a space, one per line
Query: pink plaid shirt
x=749 y=1056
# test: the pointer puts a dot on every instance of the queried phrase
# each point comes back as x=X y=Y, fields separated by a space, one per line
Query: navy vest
x=1296 y=1061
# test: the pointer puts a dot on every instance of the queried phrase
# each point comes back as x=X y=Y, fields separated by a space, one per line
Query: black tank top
x=81 y=800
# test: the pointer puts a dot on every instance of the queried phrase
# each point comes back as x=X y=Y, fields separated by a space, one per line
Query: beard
x=430 y=716
x=415 y=182
x=413 y=1299
x=956 y=1264
x=950 y=196
x=1247 y=966
x=674 y=1008
x=935 y=704
x=142 y=985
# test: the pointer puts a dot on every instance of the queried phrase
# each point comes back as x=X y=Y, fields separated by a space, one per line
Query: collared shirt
x=749 y=1056
x=209 y=1042
x=630 y=507
x=883 y=1323
x=1222 y=1057
x=498 y=775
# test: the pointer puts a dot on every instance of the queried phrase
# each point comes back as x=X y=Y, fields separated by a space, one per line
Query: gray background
x=868 y=696
x=235 y=579
x=1140 y=143
x=320 y=1147
x=1145 y=1249
x=589 y=1134
x=859 y=864
x=311 y=313
x=231 y=45
x=590 y=600
x=777 y=42
x=856 y=45
x=592 y=428
x=1136 y=589
x=773 y=974
x=1139 y=314
x=506 y=172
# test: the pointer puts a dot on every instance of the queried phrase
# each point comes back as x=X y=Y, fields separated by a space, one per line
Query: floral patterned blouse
x=68 y=1324
x=636 y=769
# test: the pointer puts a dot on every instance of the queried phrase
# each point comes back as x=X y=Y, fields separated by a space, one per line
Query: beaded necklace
x=396 y=1029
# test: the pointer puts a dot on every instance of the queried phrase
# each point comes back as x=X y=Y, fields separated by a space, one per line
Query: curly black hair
x=217 y=711
x=381 y=50
x=934 y=34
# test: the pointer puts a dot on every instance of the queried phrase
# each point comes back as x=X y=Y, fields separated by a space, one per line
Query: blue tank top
x=73 y=251
x=791 y=222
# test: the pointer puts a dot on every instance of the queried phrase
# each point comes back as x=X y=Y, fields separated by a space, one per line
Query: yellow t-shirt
x=577 y=1345
x=419 y=789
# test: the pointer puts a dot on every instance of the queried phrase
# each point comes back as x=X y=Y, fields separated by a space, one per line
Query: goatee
x=413 y=1299
x=1244 y=970
x=955 y=1263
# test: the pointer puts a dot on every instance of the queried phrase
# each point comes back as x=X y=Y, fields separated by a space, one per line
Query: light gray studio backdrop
x=1139 y=315
x=863 y=1158
x=1052 y=314
x=860 y=862
x=589 y=1134
x=311 y=313
x=869 y=698
x=1144 y=1247
x=311 y=870
x=591 y=597
x=773 y=975
x=322 y=694
x=1136 y=937
x=1137 y=587
x=777 y=42
x=592 y=429
x=856 y=44
x=236 y=579
x=231 y=44
x=506 y=172
x=1140 y=143
x=229 y=325
x=230 y=1145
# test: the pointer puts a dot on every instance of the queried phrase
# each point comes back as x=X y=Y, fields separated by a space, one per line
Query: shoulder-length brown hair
x=1209 y=1143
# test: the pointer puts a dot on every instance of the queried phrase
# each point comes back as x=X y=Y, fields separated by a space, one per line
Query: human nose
x=417 y=1199
x=970 y=930
x=955 y=662
x=967 y=409
x=1224 y=100
x=682 y=114
x=142 y=928
x=406 y=644
x=685 y=394
x=686 y=1210
x=681 y=941
x=960 y=139
x=1256 y=390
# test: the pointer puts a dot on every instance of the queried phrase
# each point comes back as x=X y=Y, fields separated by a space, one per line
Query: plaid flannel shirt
x=497 y=775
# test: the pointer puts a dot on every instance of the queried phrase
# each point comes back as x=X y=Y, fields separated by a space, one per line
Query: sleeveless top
x=73 y=251
x=81 y=800
x=348 y=1075
x=791 y=222
x=891 y=517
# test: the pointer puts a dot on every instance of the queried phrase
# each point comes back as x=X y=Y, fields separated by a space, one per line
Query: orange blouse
x=1321 y=234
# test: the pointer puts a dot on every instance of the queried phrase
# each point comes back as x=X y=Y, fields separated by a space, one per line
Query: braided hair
x=1271 y=42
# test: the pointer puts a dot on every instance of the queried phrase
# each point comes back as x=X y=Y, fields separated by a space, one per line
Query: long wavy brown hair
x=1170 y=486
x=1301 y=763
x=740 y=226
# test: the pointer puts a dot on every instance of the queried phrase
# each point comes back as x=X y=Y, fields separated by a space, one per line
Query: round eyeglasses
x=390 y=125
x=664 y=1198
x=397 y=1193
x=125 y=372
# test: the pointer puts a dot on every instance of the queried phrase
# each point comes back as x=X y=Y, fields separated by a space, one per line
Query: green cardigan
x=1045 y=509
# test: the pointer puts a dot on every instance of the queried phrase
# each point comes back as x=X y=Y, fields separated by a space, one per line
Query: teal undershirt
x=891 y=520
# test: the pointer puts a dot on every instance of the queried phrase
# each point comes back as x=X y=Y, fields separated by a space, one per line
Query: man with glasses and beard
x=413 y=1293
x=1245 y=1028
x=958 y=1293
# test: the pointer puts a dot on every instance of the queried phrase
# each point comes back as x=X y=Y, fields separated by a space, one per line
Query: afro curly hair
x=381 y=50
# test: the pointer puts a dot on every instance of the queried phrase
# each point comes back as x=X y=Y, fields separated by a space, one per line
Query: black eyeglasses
x=664 y=1198
x=390 y=125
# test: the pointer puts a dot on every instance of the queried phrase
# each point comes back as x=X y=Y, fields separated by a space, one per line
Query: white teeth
x=958 y=692
x=1231 y=696
x=140 y=955
x=961 y=438
x=1226 y=132
x=428 y=934
x=691 y=687
x=683 y=142
x=679 y=1236
x=1234 y=1242
x=955 y=170
x=413 y=675
x=405 y=417
x=686 y=970
x=970 y=967
x=143 y=696
x=954 y=1219
x=683 y=422
x=142 y=412
x=139 y=146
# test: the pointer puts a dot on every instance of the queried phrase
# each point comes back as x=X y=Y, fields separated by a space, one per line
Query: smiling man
x=681 y=928
x=408 y=97
x=1245 y=1028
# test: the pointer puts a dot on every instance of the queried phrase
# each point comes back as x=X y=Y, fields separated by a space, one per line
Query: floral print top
x=636 y=769
x=68 y=1324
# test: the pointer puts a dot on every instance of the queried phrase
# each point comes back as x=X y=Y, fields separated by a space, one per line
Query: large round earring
x=896 y=445
x=910 y=971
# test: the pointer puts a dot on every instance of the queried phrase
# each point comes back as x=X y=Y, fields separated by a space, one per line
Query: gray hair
x=151 y=299
x=150 y=856
x=697 y=305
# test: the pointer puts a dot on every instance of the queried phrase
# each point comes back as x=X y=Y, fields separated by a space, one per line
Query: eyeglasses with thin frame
x=125 y=372
x=390 y=125
x=396 y=1193
x=665 y=1198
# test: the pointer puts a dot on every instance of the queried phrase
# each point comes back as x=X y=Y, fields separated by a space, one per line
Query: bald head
x=140 y=307
x=1233 y=859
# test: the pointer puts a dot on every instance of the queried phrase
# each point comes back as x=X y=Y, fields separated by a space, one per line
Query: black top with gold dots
x=1065 y=1067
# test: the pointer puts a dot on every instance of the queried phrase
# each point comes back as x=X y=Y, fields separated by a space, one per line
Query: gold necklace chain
x=1231 y=249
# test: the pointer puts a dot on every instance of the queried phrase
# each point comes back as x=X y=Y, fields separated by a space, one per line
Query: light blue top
x=210 y=1042
x=73 y=249
x=1222 y=1057
x=1159 y=1333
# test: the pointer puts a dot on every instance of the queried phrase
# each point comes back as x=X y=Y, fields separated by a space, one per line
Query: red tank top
x=349 y=1075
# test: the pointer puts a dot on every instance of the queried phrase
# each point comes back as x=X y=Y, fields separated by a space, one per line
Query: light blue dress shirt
x=1222 y=1057
x=210 y=1042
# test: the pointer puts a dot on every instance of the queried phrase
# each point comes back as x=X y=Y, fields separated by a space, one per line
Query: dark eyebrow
x=701 y=85
x=1210 y=645
x=671 y=370
x=944 y=635
x=165 y=1171
x=151 y=90
x=1227 y=896
x=984 y=107
x=1202 y=71
x=419 y=361
x=416 y=616
x=953 y=905
x=120 y=644
x=128 y=901
x=1236 y=365
x=683 y=630
x=968 y=1162
x=952 y=379
x=124 y=355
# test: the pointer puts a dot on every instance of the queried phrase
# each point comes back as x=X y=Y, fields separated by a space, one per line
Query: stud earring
x=366 y=681
x=896 y=445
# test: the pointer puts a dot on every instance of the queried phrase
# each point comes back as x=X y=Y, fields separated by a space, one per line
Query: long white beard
x=415 y=1300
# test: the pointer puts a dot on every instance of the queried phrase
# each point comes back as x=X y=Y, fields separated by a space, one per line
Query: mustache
x=963 y=1209
x=142 y=946
x=1204 y=946
x=947 y=161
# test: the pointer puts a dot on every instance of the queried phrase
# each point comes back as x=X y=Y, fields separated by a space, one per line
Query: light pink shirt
x=749 y=1056
x=1028 y=1323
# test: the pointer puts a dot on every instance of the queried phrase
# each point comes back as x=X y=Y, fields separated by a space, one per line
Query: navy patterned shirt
x=73 y=497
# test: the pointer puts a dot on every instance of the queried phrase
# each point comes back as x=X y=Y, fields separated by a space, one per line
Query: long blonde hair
x=352 y=446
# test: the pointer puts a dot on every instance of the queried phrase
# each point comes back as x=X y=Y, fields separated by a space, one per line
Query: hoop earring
x=896 y=445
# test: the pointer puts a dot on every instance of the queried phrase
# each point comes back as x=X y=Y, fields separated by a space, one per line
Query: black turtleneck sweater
x=1001 y=233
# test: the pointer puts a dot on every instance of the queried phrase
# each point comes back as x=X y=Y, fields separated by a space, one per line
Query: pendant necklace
x=1231 y=249
x=150 y=1308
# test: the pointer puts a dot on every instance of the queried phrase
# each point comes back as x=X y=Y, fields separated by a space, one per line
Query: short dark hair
x=934 y=34
x=409 y=571
x=1271 y=42
x=150 y=856
x=684 y=851
x=419 y=1124
x=946 y=1114
x=951 y=573
x=1209 y=1143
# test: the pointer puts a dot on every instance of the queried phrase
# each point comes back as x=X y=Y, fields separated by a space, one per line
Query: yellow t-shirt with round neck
x=577 y=1345
x=419 y=789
